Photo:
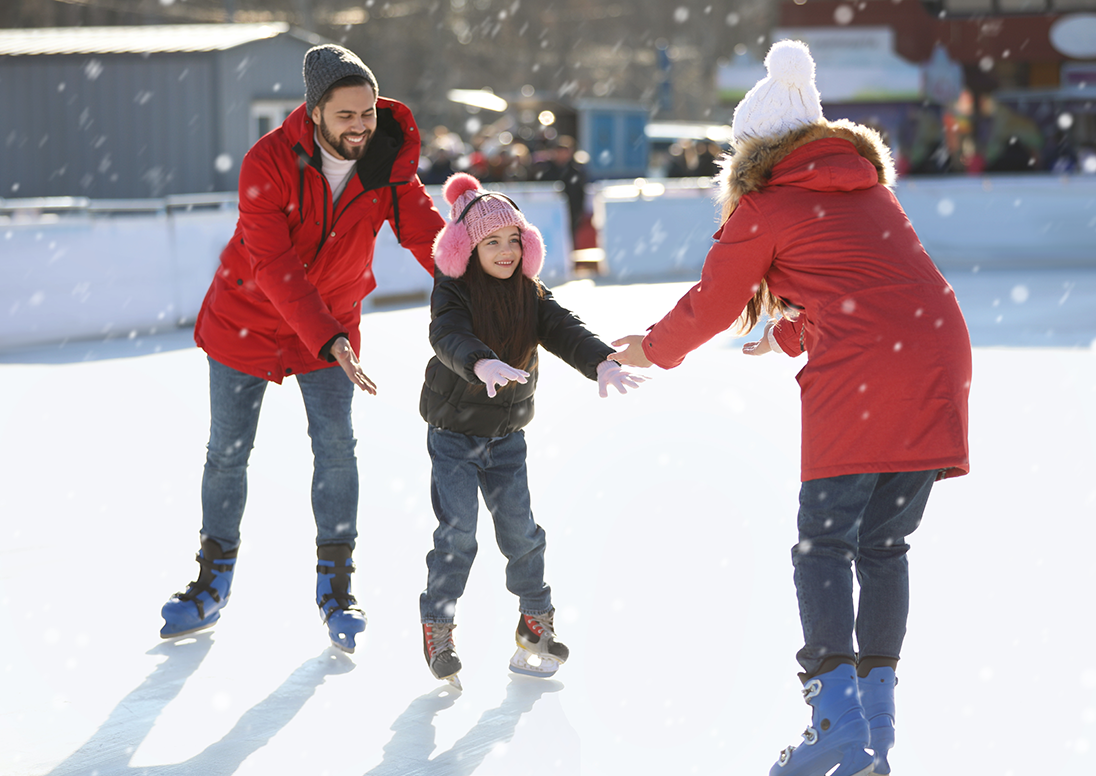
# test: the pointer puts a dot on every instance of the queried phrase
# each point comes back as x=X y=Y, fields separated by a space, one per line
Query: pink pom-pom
x=457 y=184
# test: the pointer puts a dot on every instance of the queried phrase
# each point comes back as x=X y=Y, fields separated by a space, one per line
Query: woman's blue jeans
x=235 y=400
x=461 y=466
x=859 y=520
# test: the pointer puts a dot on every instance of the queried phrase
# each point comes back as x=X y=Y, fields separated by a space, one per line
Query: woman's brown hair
x=763 y=302
x=504 y=312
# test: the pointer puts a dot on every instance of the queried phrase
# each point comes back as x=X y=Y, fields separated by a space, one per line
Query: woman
x=813 y=237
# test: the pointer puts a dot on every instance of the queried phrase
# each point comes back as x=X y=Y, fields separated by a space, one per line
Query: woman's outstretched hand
x=763 y=345
x=347 y=359
x=632 y=355
x=758 y=348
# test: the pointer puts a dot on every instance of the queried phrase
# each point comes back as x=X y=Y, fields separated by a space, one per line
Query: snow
x=670 y=514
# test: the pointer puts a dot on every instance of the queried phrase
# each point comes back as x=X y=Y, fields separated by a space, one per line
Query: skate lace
x=810 y=735
x=441 y=637
x=541 y=625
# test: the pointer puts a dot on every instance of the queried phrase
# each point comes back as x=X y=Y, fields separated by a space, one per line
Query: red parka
x=293 y=276
x=889 y=364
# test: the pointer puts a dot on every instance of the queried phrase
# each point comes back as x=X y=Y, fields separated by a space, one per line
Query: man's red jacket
x=295 y=272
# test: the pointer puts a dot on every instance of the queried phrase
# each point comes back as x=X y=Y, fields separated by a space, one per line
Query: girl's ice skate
x=441 y=652
x=835 y=741
x=538 y=653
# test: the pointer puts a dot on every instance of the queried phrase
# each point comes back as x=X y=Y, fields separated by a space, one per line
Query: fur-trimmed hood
x=751 y=166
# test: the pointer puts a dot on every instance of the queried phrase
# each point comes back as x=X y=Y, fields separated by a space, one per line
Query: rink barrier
x=74 y=268
x=658 y=229
x=77 y=268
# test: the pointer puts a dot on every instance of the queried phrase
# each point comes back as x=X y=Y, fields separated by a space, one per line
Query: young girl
x=489 y=312
x=813 y=236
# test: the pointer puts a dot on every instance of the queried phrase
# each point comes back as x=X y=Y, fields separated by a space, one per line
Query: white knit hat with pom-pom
x=785 y=99
x=476 y=213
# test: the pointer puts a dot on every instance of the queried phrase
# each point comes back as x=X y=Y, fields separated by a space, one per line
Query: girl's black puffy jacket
x=455 y=399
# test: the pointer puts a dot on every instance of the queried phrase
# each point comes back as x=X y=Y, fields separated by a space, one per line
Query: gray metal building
x=134 y=112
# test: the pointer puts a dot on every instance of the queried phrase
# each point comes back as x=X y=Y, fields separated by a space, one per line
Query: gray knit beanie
x=326 y=64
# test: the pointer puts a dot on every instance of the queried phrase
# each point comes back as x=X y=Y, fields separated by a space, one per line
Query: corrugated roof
x=135 y=40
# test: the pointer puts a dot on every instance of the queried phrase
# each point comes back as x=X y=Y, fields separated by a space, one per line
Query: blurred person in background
x=285 y=301
x=560 y=163
x=693 y=159
x=1015 y=141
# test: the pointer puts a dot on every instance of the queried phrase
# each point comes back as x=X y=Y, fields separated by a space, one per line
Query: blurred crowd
x=995 y=138
x=549 y=159
x=965 y=138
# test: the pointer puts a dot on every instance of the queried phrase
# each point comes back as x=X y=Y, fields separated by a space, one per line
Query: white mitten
x=610 y=373
x=497 y=373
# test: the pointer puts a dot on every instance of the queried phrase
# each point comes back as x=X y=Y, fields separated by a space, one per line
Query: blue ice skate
x=200 y=605
x=838 y=733
x=338 y=608
x=877 y=698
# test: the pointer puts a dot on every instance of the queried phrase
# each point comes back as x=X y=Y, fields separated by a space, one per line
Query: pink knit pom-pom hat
x=474 y=214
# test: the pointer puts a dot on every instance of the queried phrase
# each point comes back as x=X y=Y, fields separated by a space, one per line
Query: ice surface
x=670 y=516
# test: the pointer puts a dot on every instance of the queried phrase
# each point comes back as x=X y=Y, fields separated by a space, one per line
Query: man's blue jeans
x=461 y=465
x=860 y=519
x=235 y=399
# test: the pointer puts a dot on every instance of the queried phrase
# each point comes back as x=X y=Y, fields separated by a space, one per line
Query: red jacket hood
x=830 y=164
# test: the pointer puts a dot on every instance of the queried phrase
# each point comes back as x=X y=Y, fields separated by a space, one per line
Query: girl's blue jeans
x=235 y=399
x=856 y=521
x=462 y=466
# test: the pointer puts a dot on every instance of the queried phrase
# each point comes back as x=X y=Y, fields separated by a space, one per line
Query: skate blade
x=348 y=648
x=343 y=637
x=166 y=634
x=454 y=681
x=344 y=641
x=531 y=664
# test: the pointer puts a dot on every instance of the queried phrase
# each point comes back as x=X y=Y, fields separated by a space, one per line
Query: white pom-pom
x=790 y=62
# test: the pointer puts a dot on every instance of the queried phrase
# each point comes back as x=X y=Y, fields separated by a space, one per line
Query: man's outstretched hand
x=348 y=360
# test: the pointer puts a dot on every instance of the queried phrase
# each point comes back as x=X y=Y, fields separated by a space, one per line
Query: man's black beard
x=346 y=152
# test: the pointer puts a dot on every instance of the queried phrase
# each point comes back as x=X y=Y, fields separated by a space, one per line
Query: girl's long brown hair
x=504 y=312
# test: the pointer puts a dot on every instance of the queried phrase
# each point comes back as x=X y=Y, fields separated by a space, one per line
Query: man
x=285 y=301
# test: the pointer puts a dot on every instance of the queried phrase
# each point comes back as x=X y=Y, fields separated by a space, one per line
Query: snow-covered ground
x=670 y=514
